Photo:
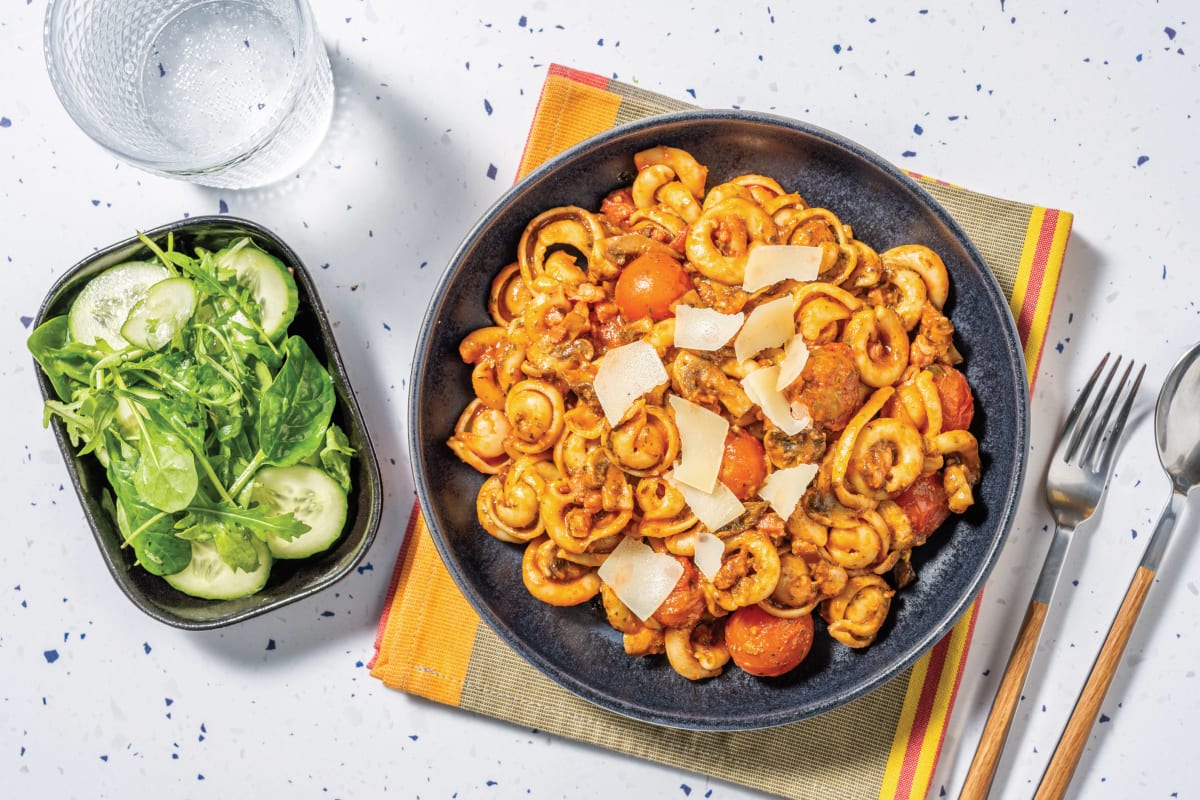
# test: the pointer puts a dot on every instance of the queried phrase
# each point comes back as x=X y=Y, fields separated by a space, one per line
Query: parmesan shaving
x=769 y=325
x=760 y=387
x=625 y=374
x=714 y=509
x=641 y=577
x=795 y=356
x=705 y=328
x=768 y=264
x=701 y=443
x=784 y=487
x=708 y=554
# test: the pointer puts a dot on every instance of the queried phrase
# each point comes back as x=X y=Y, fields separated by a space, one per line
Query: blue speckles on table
x=5 y=122
x=50 y=655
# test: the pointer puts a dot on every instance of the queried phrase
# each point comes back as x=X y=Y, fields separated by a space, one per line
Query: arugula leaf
x=235 y=549
x=336 y=455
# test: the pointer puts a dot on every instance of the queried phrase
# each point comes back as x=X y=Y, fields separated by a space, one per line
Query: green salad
x=212 y=422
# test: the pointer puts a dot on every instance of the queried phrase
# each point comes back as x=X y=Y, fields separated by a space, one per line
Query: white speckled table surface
x=1087 y=107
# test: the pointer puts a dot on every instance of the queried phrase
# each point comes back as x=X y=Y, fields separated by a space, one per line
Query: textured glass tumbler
x=231 y=93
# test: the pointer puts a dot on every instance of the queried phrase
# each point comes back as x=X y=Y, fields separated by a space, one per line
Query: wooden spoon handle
x=995 y=730
x=1074 y=737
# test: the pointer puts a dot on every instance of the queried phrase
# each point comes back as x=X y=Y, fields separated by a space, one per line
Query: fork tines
x=1089 y=433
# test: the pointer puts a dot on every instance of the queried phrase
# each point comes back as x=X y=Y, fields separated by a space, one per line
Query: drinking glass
x=231 y=93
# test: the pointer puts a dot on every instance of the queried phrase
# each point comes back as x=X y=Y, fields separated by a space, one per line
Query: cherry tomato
x=743 y=464
x=766 y=645
x=649 y=284
x=925 y=504
x=958 y=405
x=685 y=604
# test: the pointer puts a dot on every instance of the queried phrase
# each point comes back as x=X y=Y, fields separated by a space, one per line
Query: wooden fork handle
x=995 y=730
x=1087 y=708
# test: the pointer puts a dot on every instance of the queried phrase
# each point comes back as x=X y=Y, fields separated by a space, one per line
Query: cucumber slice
x=270 y=283
x=312 y=496
x=155 y=319
x=103 y=306
x=208 y=577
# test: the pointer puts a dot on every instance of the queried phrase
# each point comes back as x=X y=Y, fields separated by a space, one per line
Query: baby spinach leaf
x=166 y=475
x=296 y=407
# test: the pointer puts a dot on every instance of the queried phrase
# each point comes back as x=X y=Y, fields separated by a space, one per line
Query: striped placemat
x=431 y=643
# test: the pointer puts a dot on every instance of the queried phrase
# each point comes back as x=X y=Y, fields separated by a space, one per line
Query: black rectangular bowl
x=290 y=580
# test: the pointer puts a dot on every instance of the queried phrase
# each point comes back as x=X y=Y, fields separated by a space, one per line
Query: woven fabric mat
x=431 y=643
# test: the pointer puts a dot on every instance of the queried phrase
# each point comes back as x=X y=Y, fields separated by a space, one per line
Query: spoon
x=1177 y=432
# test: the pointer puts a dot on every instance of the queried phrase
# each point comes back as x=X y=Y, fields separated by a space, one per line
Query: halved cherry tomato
x=925 y=504
x=649 y=285
x=765 y=645
x=743 y=464
x=958 y=404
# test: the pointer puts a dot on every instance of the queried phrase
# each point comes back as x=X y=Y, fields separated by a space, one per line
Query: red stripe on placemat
x=1037 y=272
x=579 y=76
x=916 y=737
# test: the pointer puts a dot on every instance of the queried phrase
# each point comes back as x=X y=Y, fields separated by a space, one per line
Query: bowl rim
x=680 y=718
x=369 y=490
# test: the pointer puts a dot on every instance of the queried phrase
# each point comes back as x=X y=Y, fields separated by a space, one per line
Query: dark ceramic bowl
x=575 y=646
x=290 y=580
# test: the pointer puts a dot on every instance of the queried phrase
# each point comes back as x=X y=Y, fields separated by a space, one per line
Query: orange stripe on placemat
x=594 y=110
x=1041 y=261
x=427 y=651
x=394 y=582
x=927 y=705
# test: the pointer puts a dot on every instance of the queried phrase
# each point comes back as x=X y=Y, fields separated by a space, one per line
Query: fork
x=1079 y=471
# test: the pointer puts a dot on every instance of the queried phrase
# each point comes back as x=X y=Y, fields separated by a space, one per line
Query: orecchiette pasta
x=872 y=411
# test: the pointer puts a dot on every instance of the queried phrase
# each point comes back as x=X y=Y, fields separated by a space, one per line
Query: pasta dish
x=716 y=413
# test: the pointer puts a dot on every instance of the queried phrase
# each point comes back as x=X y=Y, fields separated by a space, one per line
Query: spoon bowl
x=1177 y=422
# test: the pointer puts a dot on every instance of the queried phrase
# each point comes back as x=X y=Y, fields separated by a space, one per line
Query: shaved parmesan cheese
x=715 y=508
x=701 y=443
x=641 y=577
x=784 y=487
x=708 y=554
x=625 y=374
x=769 y=264
x=705 y=328
x=760 y=387
x=768 y=325
x=795 y=356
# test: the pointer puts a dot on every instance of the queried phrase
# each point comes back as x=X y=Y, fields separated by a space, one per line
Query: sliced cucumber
x=155 y=319
x=270 y=283
x=104 y=304
x=208 y=577
x=312 y=496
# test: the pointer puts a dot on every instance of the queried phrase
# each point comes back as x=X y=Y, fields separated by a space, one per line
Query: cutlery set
x=1078 y=474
